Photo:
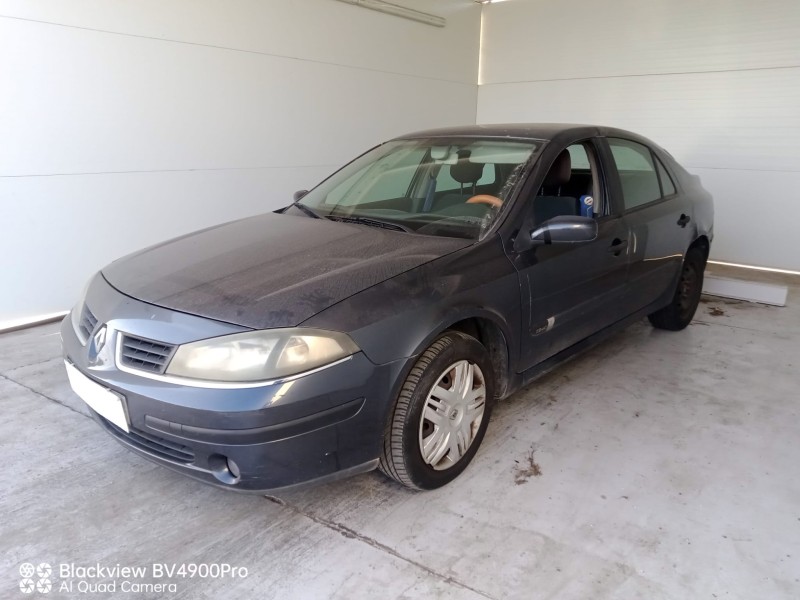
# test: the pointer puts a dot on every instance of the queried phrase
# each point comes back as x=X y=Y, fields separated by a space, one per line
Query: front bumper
x=317 y=427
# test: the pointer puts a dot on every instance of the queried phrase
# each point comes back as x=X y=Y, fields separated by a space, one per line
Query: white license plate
x=103 y=401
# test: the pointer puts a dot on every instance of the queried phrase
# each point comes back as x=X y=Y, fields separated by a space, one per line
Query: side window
x=637 y=172
x=571 y=187
x=580 y=160
x=666 y=181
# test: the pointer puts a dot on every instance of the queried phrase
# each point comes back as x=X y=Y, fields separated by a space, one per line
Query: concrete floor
x=658 y=465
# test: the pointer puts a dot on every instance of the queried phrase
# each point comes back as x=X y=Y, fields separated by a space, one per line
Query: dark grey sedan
x=375 y=320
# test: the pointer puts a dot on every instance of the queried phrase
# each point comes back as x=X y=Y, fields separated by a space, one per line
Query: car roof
x=533 y=131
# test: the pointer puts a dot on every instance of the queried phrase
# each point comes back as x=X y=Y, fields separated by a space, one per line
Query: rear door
x=657 y=215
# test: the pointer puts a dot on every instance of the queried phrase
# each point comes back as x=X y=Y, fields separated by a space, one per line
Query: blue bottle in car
x=587 y=206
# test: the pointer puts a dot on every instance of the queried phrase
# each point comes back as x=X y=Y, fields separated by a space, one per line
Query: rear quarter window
x=667 y=186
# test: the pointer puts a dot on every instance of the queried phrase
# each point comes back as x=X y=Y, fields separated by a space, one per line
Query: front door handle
x=617 y=246
x=684 y=220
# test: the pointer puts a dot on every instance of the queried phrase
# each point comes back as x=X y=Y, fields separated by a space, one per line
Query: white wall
x=717 y=83
x=127 y=122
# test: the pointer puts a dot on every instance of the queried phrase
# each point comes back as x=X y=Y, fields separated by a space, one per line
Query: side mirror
x=566 y=229
x=299 y=194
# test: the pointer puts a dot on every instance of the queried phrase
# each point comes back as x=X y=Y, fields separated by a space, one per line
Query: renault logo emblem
x=96 y=346
x=99 y=339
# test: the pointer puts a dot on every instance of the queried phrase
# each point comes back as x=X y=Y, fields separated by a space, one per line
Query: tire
x=680 y=311
x=433 y=433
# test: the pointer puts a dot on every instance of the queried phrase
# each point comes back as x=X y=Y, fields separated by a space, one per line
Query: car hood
x=272 y=270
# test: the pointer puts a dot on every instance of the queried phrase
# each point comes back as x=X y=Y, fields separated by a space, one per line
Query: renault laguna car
x=374 y=321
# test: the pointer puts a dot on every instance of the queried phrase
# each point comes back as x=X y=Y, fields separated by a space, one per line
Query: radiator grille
x=88 y=323
x=145 y=355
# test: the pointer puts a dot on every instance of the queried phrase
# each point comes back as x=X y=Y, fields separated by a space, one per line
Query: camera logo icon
x=42 y=584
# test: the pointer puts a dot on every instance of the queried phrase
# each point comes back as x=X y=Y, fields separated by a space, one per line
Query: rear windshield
x=446 y=187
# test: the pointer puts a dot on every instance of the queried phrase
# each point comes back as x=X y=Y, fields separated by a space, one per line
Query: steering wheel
x=492 y=201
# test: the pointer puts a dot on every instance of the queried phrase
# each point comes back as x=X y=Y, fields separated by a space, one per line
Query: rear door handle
x=684 y=220
x=617 y=246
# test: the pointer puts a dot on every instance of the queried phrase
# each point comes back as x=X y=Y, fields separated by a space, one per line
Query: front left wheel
x=441 y=413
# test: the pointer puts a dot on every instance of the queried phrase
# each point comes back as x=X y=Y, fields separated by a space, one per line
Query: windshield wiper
x=370 y=222
x=305 y=209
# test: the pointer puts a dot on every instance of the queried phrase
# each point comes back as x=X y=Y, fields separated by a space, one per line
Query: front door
x=571 y=291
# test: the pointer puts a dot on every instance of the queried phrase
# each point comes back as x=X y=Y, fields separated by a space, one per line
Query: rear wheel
x=680 y=312
x=441 y=413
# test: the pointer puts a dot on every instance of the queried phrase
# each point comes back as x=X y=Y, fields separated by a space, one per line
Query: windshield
x=446 y=187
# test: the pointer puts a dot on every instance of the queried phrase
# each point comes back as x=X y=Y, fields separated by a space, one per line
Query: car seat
x=549 y=202
x=465 y=173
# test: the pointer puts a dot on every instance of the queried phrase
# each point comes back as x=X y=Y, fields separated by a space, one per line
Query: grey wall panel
x=535 y=40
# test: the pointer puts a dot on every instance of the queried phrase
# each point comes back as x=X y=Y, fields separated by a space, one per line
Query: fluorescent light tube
x=400 y=11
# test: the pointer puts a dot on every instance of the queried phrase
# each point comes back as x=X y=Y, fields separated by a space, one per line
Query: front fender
x=399 y=318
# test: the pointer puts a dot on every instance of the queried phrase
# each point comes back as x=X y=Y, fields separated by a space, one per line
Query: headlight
x=260 y=355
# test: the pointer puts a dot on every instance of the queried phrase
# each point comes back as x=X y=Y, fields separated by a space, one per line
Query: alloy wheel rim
x=452 y=415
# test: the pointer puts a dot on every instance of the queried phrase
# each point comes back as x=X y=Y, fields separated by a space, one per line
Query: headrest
x=560 y=171
x=465 y=171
